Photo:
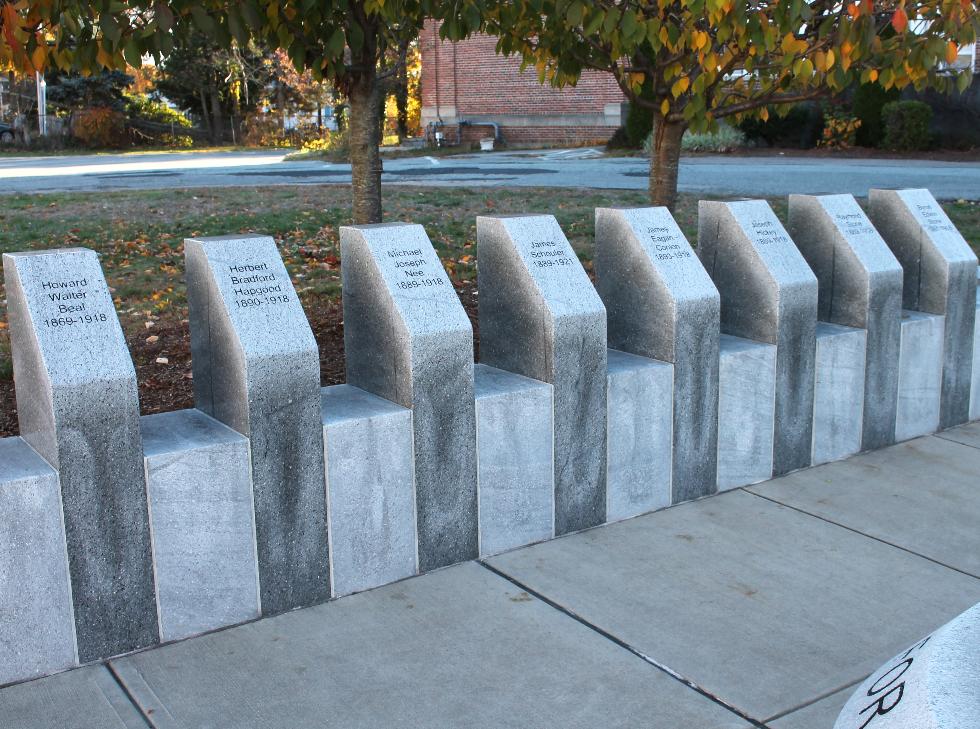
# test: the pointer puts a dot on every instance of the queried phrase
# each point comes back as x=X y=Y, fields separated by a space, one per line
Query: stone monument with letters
x=407 y=339
x=78 y=407
x=257 y=370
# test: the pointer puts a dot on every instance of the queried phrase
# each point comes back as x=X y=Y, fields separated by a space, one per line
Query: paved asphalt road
x=713 y=175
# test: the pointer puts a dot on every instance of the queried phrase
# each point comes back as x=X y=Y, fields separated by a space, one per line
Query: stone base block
x=37 y=625
x=920 y=373
x=640 y=436
x=515 y=459
x=367 y=444
x=838 y=403
x=202 y=522
x=975 y=386
x=746 y=411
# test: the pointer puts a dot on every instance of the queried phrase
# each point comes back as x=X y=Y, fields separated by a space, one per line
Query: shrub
x=639 y=124
x=906 y=125
x=725 y=139
x=99 y=126
x=334 y=146
x=868 y=101
x=142 y=106
x=839 y=129
x=619 y=140
x=797 y=128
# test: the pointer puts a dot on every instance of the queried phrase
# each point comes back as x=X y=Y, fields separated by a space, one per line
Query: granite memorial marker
x=198 y=479
x=367 y=444
x=931 y=685
x=838 y=392
x=860 y=285
x=940 y=278
x=257 y=370
x=78 y=408
x=769 y=294
x=407 y=339
x=540 y=317
x=515 y=456
x=37 y=634
x=661 y=303
x=920 y=375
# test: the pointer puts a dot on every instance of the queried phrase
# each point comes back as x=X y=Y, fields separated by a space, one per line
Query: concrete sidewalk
x=758 y=607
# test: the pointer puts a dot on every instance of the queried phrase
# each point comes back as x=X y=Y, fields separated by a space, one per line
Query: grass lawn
x=139 y=236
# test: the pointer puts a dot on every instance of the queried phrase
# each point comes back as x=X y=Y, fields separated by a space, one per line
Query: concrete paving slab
x=968 y=434
x=762 y=606
x=457 y=647
x=920 y=495
x=819 y=715
x=86 y=698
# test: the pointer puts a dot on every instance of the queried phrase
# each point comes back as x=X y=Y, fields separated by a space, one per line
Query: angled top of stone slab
x=626 y=362
x=490 y=381
x=73 y=336
x=256 y=293
x=404 y=258
x=757 y=225
x=927 y=218
x=341 y=403
x=183 y=430
x=670 y=261
x=19 y=461
x=549 y=259
x=865 y=246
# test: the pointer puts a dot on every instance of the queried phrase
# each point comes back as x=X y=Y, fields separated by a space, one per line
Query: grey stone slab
x=640 y=400
x=860 y=285
x=515 y=453
x=932 y=684
x=367 y=443
x=257 y=370
x=198 y=479
x=818 y=715
x=661 y=303
x=768 y=293
x=838 y=399
x=37 y=627
x=541 y=317
x=460 y=647
x=920 y=495
x=940 y=278
x=86 y=698
x=762 y=606
x=920 y=372
x=968 y=434
x=746 y=411
x=975 y=385
x=407 y=339
x=78 y=407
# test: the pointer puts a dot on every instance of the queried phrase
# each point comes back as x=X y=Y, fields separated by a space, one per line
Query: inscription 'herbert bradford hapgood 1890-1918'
x=70 y=304
x=255 y=286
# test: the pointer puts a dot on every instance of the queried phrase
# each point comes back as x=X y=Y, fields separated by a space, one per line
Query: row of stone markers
x=678 y=374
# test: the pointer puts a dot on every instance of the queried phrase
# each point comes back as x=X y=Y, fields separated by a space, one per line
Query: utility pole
x=42 y=104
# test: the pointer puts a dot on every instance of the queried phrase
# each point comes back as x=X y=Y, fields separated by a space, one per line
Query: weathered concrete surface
x=458 y=647
x=87 y=698
x=920 y=373
x=968 y=434
x=818 y=715
x=838 y=396
x=920 y=495
x=761 y=605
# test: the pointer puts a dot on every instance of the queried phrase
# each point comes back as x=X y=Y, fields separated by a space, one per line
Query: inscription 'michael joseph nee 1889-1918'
x=70 y=304
x=255 y=285
x=411 y=263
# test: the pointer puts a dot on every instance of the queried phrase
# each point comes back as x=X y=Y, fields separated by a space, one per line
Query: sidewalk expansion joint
x=624 y=645
x=820 y=697
x=946 y=438
x=129 y=694
x=864 y=534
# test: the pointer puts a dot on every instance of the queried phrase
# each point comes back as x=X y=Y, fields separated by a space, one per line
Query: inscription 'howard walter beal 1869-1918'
x=70 y=304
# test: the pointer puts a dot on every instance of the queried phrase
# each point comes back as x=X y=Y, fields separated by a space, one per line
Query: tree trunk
x=665 y=157
x=204 y=113
x=365 y=138
x=217 y=118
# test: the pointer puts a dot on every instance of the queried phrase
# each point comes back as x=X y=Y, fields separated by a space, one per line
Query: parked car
x=6 y=134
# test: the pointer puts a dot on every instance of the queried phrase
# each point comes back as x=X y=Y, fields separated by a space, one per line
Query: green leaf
x=131 y=53
x=202 y=20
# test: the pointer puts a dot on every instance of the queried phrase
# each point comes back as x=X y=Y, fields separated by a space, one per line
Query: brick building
x=467 y=89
